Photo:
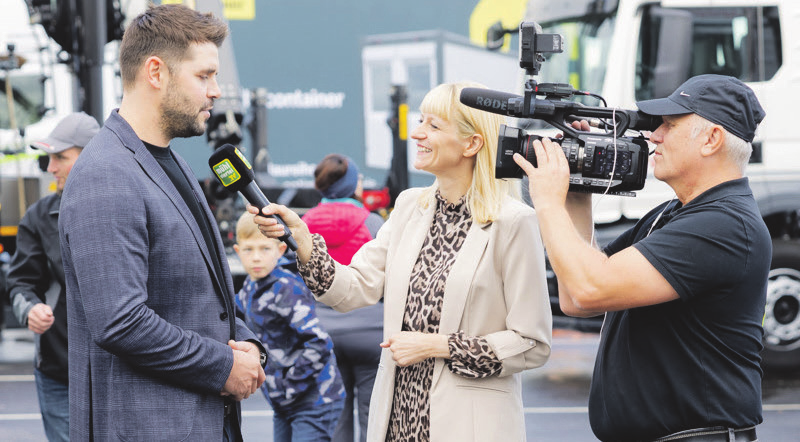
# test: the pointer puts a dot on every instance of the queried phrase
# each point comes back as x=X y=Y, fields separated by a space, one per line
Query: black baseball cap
x=720 y=99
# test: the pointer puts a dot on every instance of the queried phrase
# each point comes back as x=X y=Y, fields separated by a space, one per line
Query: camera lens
x=527 y=148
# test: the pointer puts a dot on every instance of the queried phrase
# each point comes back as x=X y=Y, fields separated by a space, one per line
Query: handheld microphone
x=235 y=173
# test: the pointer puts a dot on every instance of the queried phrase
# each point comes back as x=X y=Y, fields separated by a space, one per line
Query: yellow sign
x=402 y=124
x=17 y=157
x=489 y=12
x=239 y=9
x=231 y=9
x=188 y=3
x=8 y=230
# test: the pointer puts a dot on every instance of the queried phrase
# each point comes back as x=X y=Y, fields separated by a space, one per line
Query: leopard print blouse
x=470 y=356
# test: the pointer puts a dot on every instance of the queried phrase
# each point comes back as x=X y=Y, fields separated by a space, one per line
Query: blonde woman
x=460 y=266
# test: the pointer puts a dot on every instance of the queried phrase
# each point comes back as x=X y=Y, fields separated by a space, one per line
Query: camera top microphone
x=496 y=102
x=235 y=173
x=512 y=105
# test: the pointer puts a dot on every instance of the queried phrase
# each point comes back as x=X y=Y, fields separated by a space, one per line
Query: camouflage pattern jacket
x=301 y=367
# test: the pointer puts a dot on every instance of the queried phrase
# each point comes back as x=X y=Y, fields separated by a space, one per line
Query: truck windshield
x=28 y=100
x=583 y=62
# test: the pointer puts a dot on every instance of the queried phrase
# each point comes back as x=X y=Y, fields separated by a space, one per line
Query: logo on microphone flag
x=226 y=173
x=241 y=157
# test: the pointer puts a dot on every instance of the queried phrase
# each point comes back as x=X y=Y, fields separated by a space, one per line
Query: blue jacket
x=301 y=367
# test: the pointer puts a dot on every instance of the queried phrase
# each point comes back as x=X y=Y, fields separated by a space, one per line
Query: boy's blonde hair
x=246 y=228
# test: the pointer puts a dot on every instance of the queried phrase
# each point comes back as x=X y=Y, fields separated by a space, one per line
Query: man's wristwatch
x=262 y=354
x=263 y=358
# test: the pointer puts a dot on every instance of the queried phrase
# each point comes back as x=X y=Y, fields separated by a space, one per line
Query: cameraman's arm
x=579 y=207
x=579 y=204
x=593 y=282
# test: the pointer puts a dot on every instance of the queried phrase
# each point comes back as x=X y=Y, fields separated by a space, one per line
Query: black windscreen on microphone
x=235 y=173
x=503 y=103
x=491 y=101
x=231 y=168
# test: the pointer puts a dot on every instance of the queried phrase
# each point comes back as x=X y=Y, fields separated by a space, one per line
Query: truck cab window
x=381 y=76
x=584 y=60
x=417 y=74
x=742 y=42
x=419 y=81
x=28 y=104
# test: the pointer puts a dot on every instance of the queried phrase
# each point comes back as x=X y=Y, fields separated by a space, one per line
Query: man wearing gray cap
x=683 y=290
x=36 y=275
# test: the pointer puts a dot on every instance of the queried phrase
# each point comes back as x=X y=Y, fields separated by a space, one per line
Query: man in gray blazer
x=155 y=349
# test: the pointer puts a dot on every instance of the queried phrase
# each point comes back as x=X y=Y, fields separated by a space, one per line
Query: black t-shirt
x=164 y=156
x=693 y=362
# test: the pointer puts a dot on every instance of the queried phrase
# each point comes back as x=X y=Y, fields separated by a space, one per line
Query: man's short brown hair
x=166 y=31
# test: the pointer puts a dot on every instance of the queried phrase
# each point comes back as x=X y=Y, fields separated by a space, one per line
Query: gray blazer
x=147 y=318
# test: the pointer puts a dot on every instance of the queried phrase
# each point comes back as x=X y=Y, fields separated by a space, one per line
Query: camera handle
x=555 y=111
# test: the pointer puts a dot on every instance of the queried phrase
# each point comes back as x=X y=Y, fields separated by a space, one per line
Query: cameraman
x=684 y=289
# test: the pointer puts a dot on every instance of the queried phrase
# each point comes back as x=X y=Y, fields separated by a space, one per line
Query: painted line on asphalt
x=552 y=410
x=37 y=416
x=781 y=407
x=257 y=413
x=17 y=378
x=555 y=410
x=575 y=410
x=21 y=417
x=527 y=410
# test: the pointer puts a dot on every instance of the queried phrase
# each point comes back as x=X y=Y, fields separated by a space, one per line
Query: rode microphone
x=495 y=102
x=235 y=173
x=552 y=111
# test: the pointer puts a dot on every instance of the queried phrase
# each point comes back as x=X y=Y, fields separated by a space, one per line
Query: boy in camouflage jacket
x=303 y=384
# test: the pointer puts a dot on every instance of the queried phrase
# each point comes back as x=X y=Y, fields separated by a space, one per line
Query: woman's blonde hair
x=485 y=194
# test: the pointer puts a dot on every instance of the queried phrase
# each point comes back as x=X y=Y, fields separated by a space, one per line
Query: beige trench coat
x=496 y=288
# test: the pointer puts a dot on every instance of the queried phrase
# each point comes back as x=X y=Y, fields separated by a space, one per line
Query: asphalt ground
x=554 y=396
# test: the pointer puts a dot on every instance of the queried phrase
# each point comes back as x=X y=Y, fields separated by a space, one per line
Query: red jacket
x=341 y=224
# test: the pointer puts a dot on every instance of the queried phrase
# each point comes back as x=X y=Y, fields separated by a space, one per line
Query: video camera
x=599 y=162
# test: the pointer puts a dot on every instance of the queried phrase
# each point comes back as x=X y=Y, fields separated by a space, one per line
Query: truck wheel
x=782 y=316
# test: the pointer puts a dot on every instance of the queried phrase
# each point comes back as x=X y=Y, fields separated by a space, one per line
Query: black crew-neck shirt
x=693 y=362
x=166 y=159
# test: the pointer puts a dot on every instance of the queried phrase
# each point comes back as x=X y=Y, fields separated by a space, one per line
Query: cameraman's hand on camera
x=549 y=182
x=580 y=199
x=582 y=125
